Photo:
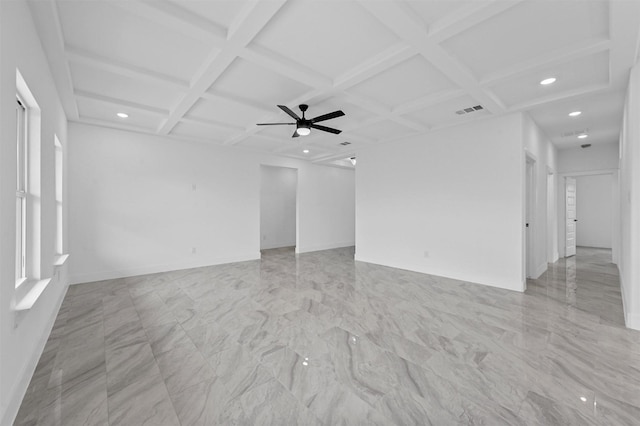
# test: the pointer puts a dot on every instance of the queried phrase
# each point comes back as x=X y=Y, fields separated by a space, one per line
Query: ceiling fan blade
x=329 y=116
x=295 y=134
x=288 y=111
x=325 y=129
x=275 y=124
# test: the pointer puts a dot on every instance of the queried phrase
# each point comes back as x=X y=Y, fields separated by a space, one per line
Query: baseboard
x=631 y=319
x=520 y=286
x=20 y=388
x=308 y=249
x=541 y=269
x=154 y=269
x=277 y=245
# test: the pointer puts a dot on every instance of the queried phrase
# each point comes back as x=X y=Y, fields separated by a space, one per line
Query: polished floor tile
x=319 y=339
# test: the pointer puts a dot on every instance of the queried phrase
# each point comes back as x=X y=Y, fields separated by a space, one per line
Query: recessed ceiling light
x=575 y=113
x=122 y=115
x=549 y=80
x=306 y=151
x=582 y=136
x=583 y=399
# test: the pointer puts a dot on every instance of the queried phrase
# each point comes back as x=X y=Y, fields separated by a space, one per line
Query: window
x=58 y=167
x=21 y=191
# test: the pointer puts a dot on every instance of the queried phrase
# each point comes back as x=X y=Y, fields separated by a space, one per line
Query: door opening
x=570 y=216
x=530 y=205
x=278 y=207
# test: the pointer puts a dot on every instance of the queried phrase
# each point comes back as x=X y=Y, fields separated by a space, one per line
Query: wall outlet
x=193 y=250
x=426 y=254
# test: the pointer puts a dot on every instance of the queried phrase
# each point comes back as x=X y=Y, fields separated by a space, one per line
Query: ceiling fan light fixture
x=303 y=130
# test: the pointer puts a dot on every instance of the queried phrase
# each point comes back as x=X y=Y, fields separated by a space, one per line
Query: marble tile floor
x=323 y=340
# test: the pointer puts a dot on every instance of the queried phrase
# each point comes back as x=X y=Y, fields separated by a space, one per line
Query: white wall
x=630 y=203
x=447 y=203
x=278 y=186
x=22 y=336
x=539 y=148
x=594 y=158
x=141 y=203
x=594 y=210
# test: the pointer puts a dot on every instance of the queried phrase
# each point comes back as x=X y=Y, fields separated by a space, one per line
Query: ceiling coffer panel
x=331 y=37
x=588 y=71
x=108 y=30
x=105 y=112
x=256 y=84
x=528 y=30
x=404 y=82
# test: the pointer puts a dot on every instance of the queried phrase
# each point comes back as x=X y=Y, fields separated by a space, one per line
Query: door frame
x=552 y=217
x=297 y=204
x=567 y=219
x=562 y=212
x=530 y=219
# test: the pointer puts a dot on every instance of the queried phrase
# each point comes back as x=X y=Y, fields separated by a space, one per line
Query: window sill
x=60 y=259
x=28 y=291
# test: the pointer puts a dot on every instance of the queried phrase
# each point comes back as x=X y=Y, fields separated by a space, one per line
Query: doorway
x=570 y=192
x=530 y=219
x=590 y=213
x=278 y=207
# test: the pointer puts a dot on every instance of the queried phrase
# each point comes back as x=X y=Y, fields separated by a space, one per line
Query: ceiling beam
x=146 y=109
x=567 y=94
x=568 y=53
x=467 y=17
x=284 y=66
x=81 y=56
x=210 y=123
x=113 y=124
x=374 y=66
x=46 y=15
x=174 y=17
x=253 y=20
x=398 y=21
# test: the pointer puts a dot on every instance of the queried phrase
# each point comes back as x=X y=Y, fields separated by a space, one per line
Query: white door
x=570 y=194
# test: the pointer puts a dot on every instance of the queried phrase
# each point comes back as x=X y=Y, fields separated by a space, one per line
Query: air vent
x=585 y=145
x=575 y=133
x=345 y=143
x=470 y=109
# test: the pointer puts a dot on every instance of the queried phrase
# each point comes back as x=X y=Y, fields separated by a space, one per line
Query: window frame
x=22 y=189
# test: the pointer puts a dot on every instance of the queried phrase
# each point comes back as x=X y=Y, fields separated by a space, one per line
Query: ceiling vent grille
x=585 y=145
x=575 y=133
x=468 y=110
x=345 y=143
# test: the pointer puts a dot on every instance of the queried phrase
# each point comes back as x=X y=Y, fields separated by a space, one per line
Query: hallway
x=322 y=339
x=587 y=281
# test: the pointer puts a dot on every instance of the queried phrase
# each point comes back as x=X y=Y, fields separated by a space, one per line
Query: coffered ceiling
x=210 y=70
